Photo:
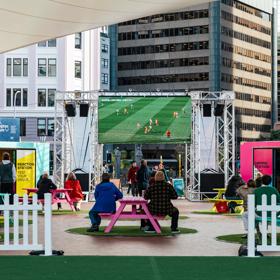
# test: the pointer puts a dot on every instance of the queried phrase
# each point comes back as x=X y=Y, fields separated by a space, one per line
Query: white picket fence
x=266 y=227
x=11 y=220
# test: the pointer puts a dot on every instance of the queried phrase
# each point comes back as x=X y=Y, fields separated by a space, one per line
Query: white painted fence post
x=6 y=220
x=251 y=226
x=48 y=224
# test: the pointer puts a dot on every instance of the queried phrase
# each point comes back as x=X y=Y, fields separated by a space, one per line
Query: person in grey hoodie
x=7 y=176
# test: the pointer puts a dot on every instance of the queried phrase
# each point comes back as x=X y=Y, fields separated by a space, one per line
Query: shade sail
x=25 y=22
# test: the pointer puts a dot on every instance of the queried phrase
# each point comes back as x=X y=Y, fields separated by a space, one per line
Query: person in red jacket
x=131 y=177
x=76 y=194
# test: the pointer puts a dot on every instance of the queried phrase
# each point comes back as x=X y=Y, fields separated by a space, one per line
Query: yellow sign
x=26 y=170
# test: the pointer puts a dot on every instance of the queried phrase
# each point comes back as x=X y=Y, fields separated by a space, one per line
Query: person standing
x=131 y=177
x=142 y=177
x=243 y=193
x=7 y=176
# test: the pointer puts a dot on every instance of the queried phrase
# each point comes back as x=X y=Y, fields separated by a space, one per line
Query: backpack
x=6 y=172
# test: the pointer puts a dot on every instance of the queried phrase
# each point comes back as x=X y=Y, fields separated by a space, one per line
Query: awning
x=25 y=22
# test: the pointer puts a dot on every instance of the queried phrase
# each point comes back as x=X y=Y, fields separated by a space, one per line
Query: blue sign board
x=9 y=129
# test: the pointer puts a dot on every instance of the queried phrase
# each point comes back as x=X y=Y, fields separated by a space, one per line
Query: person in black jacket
x=143 y=176
x=45 y=185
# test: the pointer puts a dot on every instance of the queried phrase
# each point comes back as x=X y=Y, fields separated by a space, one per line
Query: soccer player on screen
x=156 y=122
x=168 y=133
x=151 y=121
x=117 y=111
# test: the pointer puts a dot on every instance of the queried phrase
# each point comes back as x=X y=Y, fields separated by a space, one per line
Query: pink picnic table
x=133 y=214
x=56 y=199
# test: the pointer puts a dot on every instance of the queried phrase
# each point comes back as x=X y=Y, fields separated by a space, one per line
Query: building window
x=22 y=127
x=42 y=97
x=78 y=69
x=25 y=67
x=24 y=97
x=19 y=97
x=78 y=40
x=42 y=44
x=8 y=97
x=9 y=67
x=17 y=67
x=41 y=127
x=52 y=43
x=104 y=78
x=51 y=95
x=42 y=67
x=51 y=67
x=50 y=127
x=104 y=48
x=104 y=63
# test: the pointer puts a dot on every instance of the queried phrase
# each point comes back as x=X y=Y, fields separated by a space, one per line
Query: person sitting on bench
x=159 y=195
x=106 y=194
x=234 y=183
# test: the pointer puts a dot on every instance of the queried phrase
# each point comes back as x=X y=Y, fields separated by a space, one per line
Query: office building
x=222 y=45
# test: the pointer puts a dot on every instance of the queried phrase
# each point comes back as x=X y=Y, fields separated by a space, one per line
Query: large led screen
x=144 y=120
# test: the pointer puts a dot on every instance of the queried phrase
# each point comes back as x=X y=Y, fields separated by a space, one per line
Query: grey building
x=222 y=45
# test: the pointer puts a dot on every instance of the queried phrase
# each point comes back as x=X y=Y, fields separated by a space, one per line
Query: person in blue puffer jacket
x=106 y=194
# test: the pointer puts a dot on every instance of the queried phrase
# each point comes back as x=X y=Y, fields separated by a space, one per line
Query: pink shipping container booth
x=260 y=157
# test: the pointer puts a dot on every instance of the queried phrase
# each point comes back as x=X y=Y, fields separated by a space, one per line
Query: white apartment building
x=30 y=76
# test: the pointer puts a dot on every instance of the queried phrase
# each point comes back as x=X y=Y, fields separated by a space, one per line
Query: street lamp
x=14 y=102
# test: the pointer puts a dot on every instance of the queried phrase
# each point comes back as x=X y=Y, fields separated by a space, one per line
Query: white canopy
x=25 y=22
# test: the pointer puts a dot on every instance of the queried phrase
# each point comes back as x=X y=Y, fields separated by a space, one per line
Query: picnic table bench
x=133 y=214
x=55 y=198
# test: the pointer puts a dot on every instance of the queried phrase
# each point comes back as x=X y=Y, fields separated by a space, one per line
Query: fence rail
x=12 y=221
x=268 y=220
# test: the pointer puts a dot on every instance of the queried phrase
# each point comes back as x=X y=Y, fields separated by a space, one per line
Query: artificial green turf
x=65 y=212
x=129 y=231
x=209 y=212
x=138 y=268
x=11 y=238
x=122 y=128
x=167 y=218
x=20 y=222
x=236 y=238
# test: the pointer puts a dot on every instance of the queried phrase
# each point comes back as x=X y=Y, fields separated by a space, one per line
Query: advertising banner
x=263 y=162
x=9 y=129
x=26 y=170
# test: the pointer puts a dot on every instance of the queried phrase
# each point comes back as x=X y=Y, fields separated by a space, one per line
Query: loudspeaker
x=210 y=181
x=84 y=109
x=219 y=110
x=84 y=180
x=109 y=158
x=206 y=110
x=70 y=109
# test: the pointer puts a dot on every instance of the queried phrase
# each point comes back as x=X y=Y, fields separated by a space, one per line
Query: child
x=106 y=194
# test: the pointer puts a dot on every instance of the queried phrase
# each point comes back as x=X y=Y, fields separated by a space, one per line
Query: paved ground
x=202 y=243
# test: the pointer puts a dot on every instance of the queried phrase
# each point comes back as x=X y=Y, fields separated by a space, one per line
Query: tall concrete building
x=29 y=78
x=222 y=45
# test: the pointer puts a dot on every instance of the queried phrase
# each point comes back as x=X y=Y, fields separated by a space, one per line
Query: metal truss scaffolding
x=224 y=140
x=64 y=152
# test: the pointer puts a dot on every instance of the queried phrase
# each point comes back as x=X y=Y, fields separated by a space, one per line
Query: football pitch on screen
x=144 y=120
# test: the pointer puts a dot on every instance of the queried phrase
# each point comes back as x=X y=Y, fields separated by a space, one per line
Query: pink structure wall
x=263 y=158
